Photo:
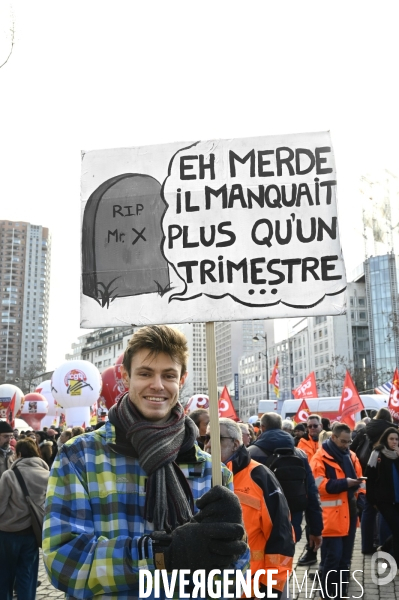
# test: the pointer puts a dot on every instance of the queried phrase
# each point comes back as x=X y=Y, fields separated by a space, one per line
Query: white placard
x=211 y=231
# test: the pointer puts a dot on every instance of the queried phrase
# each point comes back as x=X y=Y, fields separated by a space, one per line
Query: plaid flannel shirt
x=94 y=518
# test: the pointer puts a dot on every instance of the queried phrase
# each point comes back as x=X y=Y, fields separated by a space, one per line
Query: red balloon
x=113 y=386
x=34 y=409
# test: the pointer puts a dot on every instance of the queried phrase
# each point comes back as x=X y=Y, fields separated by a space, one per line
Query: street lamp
x=256 y=338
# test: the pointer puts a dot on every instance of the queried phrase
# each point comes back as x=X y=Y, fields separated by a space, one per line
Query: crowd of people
x=136 y=492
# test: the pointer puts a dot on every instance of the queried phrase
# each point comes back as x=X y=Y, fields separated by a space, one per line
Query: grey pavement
x=368 y=591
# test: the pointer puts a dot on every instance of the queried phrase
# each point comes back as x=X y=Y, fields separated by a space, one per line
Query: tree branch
x=12 y=44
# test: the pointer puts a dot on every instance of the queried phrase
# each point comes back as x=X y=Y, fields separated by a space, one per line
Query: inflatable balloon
x=34 y=409
x=113 y=386
x=52 y=418
x=119 y=360
x=76 y=386
x=11 y=402
x=197 y=401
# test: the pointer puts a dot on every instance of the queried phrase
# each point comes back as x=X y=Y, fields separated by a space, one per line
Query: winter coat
x=277 y=438
x=6 y=460
x=333 y=488
x=265 y=515
x=379 y=485
x=309 y=446
x=375 y=428
x=14 y=510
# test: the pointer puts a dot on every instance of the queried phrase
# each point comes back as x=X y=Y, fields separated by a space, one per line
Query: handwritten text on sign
x=255 y=220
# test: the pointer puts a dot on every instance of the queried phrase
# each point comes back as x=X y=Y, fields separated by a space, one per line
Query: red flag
x=275 y=379
x=302 y=413
x=351 y=402
x=393 y=403
x=307 y=389
x=226 y=408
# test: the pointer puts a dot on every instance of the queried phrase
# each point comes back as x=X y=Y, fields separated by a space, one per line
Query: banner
x=393 y=403
x=307 y=389
x=237 y=229
x=275 y=379
x=351 y=402
x=7 y=409
x=302 y=414
x=226 y=408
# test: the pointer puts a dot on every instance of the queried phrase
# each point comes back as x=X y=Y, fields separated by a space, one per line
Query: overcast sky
x=91 y=74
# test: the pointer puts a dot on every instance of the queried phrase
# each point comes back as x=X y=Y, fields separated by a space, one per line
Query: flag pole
x=213 y=402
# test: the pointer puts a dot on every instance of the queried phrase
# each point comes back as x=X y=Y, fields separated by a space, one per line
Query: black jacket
x=269 y=441
x=375 y=428
x=379 y=485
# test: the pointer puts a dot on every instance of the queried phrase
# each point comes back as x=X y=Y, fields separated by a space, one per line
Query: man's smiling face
x=154 y=384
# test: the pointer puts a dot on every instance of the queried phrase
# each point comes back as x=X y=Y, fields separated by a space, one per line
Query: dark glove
x=199 y=546
x=219 y=505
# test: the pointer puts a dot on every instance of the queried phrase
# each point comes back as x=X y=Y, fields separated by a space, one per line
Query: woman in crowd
x=382 y=485
x=19 y=553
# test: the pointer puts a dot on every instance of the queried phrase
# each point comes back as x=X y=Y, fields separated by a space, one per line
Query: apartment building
x=24 y=295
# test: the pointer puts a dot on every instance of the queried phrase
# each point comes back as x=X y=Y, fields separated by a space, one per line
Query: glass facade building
x=381 y=274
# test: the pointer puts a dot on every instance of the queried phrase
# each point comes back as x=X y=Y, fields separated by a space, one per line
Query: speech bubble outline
x=171 y=183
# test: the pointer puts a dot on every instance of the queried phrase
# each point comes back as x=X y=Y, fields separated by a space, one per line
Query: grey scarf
x=169 y=501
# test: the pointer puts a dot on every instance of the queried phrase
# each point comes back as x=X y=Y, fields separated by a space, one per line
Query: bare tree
x=365 y=378
x=12 y=39
x=27 y=379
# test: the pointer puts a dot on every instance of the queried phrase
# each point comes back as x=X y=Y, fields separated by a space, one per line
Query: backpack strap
x=21 y=481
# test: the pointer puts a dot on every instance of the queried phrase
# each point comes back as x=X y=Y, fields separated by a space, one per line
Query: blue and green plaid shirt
x=95 y=517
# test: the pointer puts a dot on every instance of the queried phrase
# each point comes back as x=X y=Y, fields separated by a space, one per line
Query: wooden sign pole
x=213 y=402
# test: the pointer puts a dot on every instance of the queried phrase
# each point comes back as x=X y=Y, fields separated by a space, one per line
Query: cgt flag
x=351 y=402
x=275 y=379
x=226 y=408
x=307 y=389
x=393 y=402
x=302 y=414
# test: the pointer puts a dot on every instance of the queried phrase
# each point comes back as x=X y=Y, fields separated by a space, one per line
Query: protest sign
x=216 y=230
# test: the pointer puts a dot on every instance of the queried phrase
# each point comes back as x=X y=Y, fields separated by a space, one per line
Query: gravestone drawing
x=122 y=238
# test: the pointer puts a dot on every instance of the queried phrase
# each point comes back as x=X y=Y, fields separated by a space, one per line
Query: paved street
x=370 y=591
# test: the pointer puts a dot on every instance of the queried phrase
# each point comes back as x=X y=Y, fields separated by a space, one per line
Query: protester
x=77 y=430
x=7 y=455
x=64 y=437
x=363 y=445
x=246 y=438
x=309 y=443
x=299 y=432
x=16 y=434
x=19 y=553
x=273 y=438
x=326 y=424
x=122 y=498
x=252 y=433
x=200 y=416
x=382 y=487
x=288 y=426
x=51 y=435
x=265 y=512
x=358 y=427
x=337 y=471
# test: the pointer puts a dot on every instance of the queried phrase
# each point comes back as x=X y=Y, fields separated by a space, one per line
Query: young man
x=123 y=498
x=265 y=509
x=337 y=472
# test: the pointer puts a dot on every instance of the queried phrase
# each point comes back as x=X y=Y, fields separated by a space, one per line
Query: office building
x=24 y=295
